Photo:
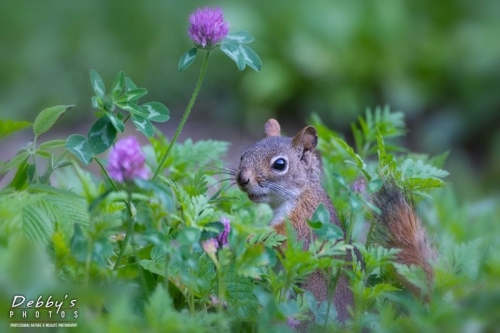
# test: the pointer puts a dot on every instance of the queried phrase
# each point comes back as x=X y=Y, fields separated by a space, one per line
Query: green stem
x=165 y=278
x=127 y=235
x=220 y=292
x=369 y=235
x=203 y=71
x=106 y=174
x=37 y=180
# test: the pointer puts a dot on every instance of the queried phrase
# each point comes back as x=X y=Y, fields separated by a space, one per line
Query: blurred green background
x=439 y=62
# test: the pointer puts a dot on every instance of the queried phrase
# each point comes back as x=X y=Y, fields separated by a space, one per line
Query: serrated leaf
x=101 y=135
x=79 y=146
x=187 y=59
x=156 y=111
x=157 y=262
x=143 y=125
x=252 y=260
x=413 y=274
x=8 y=127
x=97 y=83
x=418 y=169
x=271 y=239
x=238 y=37
x=117 y=123
x=251 y=58
x=22 y=216
x=232 y=50
x=132 y=95
x=118 y=84
x=48 y=117
x=52 y=144
x=15 y=161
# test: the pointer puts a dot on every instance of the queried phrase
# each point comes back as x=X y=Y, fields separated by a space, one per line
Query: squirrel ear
x=272 y=128
x=307 y=138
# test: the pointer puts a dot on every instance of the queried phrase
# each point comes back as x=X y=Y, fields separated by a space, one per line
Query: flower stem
x=203 y=71
x=106 y=174
x=127 y=235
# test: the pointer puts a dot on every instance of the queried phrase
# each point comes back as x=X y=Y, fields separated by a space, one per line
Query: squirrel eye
x=279 y=164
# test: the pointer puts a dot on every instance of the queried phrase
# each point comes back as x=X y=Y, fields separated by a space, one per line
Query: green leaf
x=101 y=135
x=413 y=274
x=97 y=83
x=79 y=146
x=269 y=239
x=187 y=58
x=129 y=84
x=117 y=123
x=79 y=244
x=132 y=95
x=320 y=222
x=131 y=107
x=143 y=125
x=48 y=117
x=52 y=144
x=118 y=84
x=156 y=111
x=163 y=192
x=8 y=127
x=24 y=215
x=15 y=161
x=238 y=37
x=232 y=50
x=189 y=236
x=157 y=263
x=251 y=58
x=252 y=260
x=417 y=169
x=21 y=176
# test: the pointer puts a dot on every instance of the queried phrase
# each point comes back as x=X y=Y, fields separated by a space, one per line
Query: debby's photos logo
x=43 y=312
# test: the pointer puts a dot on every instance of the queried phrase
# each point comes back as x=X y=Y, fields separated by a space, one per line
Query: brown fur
x=402 y=229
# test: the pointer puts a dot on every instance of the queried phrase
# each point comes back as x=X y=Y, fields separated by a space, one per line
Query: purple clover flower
x=207 y=27
x=126 y=161
x=221 y=239
x=359 y=186
x=292 y=323
x=212 y=244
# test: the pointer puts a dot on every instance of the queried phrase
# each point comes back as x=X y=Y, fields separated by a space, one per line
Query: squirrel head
x=278 y=169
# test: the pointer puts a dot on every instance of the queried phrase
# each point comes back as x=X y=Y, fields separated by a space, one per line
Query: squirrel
x=284 y=172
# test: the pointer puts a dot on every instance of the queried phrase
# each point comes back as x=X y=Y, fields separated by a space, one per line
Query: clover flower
x=359 y=186
x=207 y=27
x=292 y=323
x=126 y=161
x=221 y=239
x=212 y=244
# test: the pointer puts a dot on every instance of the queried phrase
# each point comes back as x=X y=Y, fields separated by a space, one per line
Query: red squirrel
x=284 y=172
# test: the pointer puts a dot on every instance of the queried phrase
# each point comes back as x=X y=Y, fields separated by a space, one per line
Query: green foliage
x=149 y=255
x=123 y=98
x=8 y=127
x=234 y=47
x=187 y=58
x=48 y=117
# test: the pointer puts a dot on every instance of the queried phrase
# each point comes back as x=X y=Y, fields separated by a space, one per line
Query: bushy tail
x=399 y=227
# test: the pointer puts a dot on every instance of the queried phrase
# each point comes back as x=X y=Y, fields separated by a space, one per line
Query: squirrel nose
x=243 y=178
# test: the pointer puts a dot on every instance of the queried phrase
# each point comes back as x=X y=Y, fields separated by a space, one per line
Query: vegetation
x=130 y=255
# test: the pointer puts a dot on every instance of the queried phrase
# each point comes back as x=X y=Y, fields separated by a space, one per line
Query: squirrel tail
x=399 y=227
